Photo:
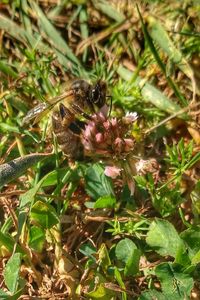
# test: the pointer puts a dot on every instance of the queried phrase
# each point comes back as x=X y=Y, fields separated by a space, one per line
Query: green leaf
x=127 y=252
x=132 y=263
x=11 y=272
x=104 y=259
x=191 y=237
x=124 y=248
x=99 y=291
x=52 y=177
x=105 y=202
x=29 y=196
x=164 y=239
x=87 y=250
x=119 y=280
x=97 y=183
x=175 y=285
x=44 y=214
x=3 y=295
x=9 y=128
x=36 y=238
x=152 y=294
x=8 y=242
x=196 y=258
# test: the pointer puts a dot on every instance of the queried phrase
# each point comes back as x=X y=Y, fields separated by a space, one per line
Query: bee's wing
x=34 y=112
x=39 y=111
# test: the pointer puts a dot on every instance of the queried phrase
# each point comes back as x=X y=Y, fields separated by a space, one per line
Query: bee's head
x=97 y=93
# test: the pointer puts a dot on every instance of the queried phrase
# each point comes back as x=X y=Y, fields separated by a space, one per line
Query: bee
x=80 y=98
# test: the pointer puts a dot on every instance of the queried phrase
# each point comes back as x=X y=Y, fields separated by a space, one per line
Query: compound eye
x=95 y=95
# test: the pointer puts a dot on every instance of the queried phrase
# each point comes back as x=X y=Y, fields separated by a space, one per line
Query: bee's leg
x=67 y=116
x=65 y=113
x=79 y=110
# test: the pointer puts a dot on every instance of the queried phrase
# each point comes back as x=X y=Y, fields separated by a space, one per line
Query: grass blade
x=108 y=10
x=7 y=70
x=53 y=35
x=150 y=93
x=20 y=34
x=161 y=37
x=159 y=61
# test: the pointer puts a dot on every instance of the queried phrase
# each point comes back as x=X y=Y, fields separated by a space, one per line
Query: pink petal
x=130 y=118
x=112 y=172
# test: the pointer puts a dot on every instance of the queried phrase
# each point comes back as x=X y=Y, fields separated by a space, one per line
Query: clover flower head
x=111 y=140
x=110 y=137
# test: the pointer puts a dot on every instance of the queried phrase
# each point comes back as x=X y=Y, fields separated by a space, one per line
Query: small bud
x=107 y=125
x=114 y=122
x=129 y=143
x=118 y=144
x=90 y=130
x=99 y=138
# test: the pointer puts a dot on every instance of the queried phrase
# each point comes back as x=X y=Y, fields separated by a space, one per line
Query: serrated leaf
x=44 y=214
x=97 y=183
x=11 y=272
x=152 y=294
x=191 y=237
x=175 y=285
x=164 y=239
